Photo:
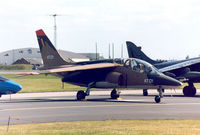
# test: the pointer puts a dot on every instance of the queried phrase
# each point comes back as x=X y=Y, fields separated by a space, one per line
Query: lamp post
x=55 y=29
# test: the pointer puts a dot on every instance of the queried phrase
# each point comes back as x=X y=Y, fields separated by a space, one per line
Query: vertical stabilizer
x=49 y=54
x=135 y=52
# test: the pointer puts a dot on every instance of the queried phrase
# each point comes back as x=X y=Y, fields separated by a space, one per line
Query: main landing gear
x=158 y=97
x=190 y=90
x=145 y=92
x=81 y=94
x=114 y=94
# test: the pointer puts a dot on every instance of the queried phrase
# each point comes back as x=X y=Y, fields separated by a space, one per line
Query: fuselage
x=132 y=73
x=190 y=72
x=170 y=63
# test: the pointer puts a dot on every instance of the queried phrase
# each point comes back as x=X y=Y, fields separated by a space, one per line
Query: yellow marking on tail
x=42 y=42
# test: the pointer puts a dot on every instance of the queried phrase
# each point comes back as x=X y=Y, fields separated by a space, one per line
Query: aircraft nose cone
x=174 y=82
x=18 y=87
x=166 y=80
x=13 y=86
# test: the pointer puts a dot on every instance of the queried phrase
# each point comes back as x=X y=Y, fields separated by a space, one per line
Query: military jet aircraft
x=117 y=73
x=184 y=70
x=8 y=86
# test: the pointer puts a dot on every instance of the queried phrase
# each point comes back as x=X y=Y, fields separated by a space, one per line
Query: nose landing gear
x=158 y=97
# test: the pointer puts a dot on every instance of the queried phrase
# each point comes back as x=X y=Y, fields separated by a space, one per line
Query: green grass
x=42 y=83
x=108 y=127
x=16 y=67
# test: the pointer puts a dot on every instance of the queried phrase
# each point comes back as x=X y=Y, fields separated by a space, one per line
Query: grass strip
x=108 y=127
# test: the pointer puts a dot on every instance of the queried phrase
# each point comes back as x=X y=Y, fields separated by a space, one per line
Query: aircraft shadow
x=74 y=100
x=168 y=95
x=37 y=100
x=90 y=99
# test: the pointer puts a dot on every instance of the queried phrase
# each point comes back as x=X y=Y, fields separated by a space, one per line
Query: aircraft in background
x=187 y=71
x=8 y=86
x=116 y=73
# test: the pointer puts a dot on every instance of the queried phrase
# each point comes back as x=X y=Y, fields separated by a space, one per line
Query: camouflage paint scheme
x=110 y=73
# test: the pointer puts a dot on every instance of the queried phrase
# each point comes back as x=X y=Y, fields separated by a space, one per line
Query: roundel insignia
x=50 y=57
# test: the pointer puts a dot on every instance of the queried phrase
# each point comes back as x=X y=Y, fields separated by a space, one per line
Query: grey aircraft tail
x=135 y=52
x=49 y=54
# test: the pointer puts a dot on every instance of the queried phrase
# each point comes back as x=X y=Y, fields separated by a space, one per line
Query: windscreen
x=148 y=67
x=2 y=79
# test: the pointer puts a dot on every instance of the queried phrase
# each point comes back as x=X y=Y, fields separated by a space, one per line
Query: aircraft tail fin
x=50 y=55
x=135 y=52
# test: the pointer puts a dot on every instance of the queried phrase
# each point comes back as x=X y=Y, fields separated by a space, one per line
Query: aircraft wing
x=180 y=65
x=73 y=68
x=80 y=67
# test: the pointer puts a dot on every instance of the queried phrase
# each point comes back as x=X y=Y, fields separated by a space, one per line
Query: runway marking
x=95 y=106
x=119 y=98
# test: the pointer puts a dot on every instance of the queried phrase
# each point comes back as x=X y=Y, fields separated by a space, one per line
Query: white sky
x=166 y=29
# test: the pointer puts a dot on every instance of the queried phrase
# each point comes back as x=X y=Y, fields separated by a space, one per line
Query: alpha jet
x=184 y=70
x=117 y=73
x=8 y=86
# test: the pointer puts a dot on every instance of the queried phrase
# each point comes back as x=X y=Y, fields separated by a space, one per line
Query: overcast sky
x=166 y=29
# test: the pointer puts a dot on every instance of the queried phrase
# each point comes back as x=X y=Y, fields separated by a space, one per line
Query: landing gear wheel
x=189 y=91
x=80 y=95
x=145 y=92
x=157 y=99
x=193 y=91
x=163 y=90
x=114 y=94
x=186 y=91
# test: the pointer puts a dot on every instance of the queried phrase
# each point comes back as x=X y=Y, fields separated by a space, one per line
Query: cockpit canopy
x=2 y=79
x=137 y=65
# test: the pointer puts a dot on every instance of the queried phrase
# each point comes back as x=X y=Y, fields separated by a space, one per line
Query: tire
x=145 y=92
x=189 y=91
x=186 y=91
x=80 y=95
x=157 y=99
x=193 y=91
x=114 y=94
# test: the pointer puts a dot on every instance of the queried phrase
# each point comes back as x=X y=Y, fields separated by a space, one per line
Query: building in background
x=33 y=56
x=92 y=56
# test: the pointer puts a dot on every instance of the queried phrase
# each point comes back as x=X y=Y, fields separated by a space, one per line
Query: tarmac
x=45 y=107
